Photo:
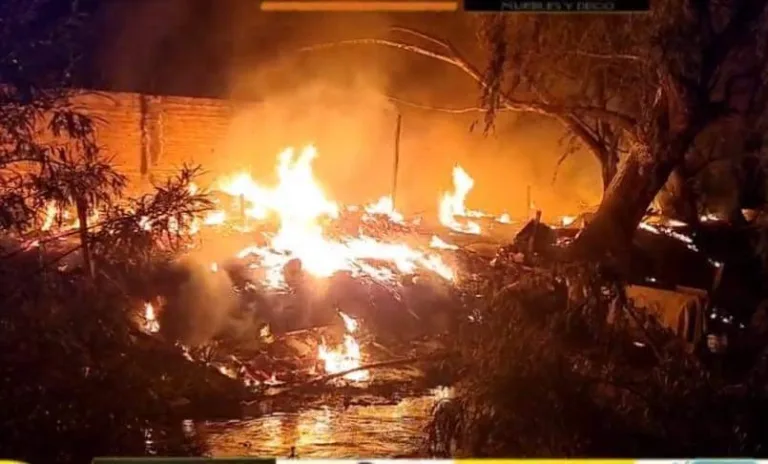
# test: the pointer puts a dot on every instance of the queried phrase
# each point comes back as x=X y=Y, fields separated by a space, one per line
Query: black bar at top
x=158 y=460
x=557 y=6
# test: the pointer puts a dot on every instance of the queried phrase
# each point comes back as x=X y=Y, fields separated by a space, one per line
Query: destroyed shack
x=683 y=275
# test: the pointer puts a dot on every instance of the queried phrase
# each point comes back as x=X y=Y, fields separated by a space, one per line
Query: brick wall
x=151 y=136
x=155 y=135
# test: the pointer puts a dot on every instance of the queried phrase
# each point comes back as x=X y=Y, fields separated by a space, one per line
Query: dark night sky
x=161 y=46
x=202 y=47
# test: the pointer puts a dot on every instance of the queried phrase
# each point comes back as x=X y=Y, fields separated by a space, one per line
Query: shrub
x=544 y=377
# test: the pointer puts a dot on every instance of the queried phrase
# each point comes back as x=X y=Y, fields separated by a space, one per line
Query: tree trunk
x=677 y=199
x=608 y=169
x=610 y=232
x=82 y=216
x=678 y=117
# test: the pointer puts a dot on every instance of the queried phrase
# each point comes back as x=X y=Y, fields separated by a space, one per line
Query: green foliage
x=544 y=377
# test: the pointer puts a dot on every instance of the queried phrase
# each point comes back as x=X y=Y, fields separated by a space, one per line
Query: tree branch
x=624 y=121
x=601 y=56
x=421 y=106
x=422 y=35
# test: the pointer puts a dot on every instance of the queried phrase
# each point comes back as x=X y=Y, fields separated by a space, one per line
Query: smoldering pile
x=269 y=335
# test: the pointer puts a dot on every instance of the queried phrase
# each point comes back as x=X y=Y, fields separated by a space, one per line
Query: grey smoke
x=201 y=306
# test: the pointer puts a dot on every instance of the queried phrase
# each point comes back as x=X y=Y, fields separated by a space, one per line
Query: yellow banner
x=546 y=461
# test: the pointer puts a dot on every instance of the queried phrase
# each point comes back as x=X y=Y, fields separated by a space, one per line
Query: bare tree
x=646 y=85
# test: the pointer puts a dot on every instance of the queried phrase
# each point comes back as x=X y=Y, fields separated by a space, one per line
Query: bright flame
x=661 y=230
x=50 y=216
x=452 y=204
x=349 y=323
x=151 y=324
x=384 y=207
x=437 y=242
x=567 y=220
x=300 y=203
x=215 y=217
x=242 y=187
x=345 y=357
x=504 y=219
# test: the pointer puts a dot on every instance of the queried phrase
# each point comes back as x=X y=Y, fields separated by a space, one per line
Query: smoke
x=336 y=98
x=201 y=305
x=352 y=128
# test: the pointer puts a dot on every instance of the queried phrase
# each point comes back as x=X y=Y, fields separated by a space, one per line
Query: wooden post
x=718 y=276
x=535 y=231
x=398 y=127
x=82 y=215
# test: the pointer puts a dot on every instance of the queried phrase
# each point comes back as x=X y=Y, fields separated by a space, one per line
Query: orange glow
x=151 y=324
x=358 y=6
x=346 y=356
x=384 y=207
x=452 y=204
x=299 y=203
x=437 y=242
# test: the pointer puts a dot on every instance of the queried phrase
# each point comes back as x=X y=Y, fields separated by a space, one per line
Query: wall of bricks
x=150 y=137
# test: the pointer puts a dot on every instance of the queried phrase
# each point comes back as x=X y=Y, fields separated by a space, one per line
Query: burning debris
x=301 y=209
x=452 y=204
x=151 y=323
x=301 y=256
x=345 y=357
x=274 y=267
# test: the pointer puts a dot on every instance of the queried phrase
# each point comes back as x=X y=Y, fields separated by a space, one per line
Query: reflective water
x=373 y=431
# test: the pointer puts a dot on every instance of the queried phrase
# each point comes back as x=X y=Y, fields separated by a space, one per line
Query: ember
x=151 y=324
x=346 y=356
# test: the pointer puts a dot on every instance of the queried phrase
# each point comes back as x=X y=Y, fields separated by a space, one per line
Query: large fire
x=297 y=212
x=300 y=205
x=299 y=208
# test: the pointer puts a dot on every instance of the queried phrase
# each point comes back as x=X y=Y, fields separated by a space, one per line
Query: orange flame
x=299 y=203
x=452 y=206
x=345 y=357
x=437 y=242
x=384 y=207
x=151 y=324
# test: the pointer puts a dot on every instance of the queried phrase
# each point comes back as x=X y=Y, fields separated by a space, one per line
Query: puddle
x=373 y=431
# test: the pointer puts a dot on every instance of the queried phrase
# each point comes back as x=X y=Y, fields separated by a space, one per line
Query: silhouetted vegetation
x=541 y=371
x=78 y=378
x=543 y=376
